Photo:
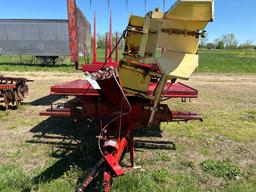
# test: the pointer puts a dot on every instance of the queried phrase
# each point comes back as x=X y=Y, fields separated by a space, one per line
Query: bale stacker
x=130 y=96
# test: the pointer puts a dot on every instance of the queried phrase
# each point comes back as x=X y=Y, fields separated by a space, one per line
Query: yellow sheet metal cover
x=178 y=36
x=178 y=65
x=191 y=10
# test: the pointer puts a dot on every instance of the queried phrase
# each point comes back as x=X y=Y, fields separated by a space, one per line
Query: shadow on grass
x=145 y=144
x=75 y=145
x=45 y=101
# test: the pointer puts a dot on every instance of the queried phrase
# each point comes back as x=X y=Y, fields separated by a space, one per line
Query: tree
x=247 y=45
x=220 y=45
x=229 y=41
x=249 y=42
x=100 y=41
x=122 y=42
x=216 y=41
x=210 y=46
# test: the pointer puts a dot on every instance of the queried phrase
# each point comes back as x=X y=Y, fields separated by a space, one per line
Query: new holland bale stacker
x=126 y=98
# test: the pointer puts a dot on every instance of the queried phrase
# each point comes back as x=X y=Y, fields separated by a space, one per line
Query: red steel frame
x=73 y=32
x=73 y=37
x=96 y=65
x=136 y=119
x=7 y=86
x=94 y=41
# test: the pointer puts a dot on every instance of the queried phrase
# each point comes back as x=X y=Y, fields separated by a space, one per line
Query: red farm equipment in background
x=13 y=90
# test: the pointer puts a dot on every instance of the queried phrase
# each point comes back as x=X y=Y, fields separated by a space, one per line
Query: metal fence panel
x=83 y=33
x=34 y=37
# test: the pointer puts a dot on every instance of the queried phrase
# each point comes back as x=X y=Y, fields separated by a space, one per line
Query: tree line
x=227 y=41
x=101 y=41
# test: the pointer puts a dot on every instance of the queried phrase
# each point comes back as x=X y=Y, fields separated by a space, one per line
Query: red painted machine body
x=122 y=113
x=87 y=99
x=106 y=104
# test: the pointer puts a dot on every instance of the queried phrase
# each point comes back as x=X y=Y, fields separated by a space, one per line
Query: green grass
x=221 y=169
x=155 y=181
x=242 y=186
x=228 y=134
x=227 y=61
x=221 y=61
x=13 y=178
x=26 y=63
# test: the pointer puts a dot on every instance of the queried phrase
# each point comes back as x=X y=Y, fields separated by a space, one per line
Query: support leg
x=131 y=148
x=106 y=184
x=91 y=175
x=158 y=94
x=17 y=100
x=6 y=101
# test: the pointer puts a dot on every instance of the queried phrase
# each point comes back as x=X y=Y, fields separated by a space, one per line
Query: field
x=224 y=61
x=51 y=154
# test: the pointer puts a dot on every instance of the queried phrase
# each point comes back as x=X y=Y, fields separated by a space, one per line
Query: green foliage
x=14 y=179
x=101 y=41
x=210 y=46
x=246 y=47
x=62 y=185
x=155 y=181
x=221 y=169
x=229 y=41
x=220 y=45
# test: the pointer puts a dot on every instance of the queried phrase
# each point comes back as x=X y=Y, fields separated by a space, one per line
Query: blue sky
x=231 y=16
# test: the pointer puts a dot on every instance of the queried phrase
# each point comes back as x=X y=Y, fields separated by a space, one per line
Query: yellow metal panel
x=178 y=31
x=178 y=43
x=144 y=37
x=178 y=65
x=136 y=21
x=133 y=41
x=137 y=35
x=133 y=78
x=186 y=25
x=157 y=14
x=152 y=42
x=191 y=10
x=187 y=16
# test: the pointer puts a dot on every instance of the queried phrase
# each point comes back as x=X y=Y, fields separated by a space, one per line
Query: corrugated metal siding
x=34 y=37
